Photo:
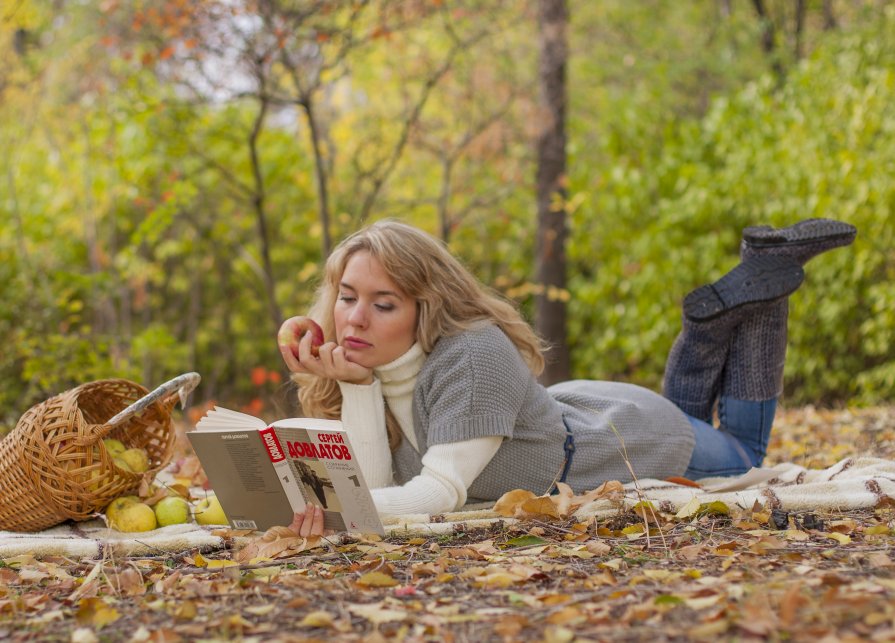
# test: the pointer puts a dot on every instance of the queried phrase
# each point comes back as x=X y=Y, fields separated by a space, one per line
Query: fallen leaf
x=377 y=579
x=508 y=503
x=318 y=618
x=96 y=613
x=689 y=509
x=377 y=613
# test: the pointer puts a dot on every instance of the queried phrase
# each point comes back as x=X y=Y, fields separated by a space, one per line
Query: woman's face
x=375 y=320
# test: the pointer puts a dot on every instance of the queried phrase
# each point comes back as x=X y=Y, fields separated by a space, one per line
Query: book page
x=221 y=419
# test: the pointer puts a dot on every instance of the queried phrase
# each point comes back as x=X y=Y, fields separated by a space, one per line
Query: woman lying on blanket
x=434 y=376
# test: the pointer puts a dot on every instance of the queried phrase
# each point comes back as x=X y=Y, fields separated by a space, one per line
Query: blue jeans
x=739 y=444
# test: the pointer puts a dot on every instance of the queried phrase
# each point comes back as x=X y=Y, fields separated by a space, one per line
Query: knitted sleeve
x=473 y=386
x=448 y=470
x=363 y=416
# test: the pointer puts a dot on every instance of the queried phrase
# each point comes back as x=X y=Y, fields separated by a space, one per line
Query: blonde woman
x=434 y=376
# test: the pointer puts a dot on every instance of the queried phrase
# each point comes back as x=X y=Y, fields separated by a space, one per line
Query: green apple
x=113 y=446
x=172 y=510
x=136 y=459
x=121 y=463
x=209 y=512
x=135 y=517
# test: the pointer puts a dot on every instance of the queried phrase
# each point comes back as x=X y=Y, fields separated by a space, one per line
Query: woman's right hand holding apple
x=304 y=350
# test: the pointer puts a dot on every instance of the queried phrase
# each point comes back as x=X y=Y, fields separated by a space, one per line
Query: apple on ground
x=208 y=511
x=134 y=517
x=115 y=507
x=172 y=510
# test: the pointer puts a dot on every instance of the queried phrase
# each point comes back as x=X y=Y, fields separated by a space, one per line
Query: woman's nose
x=358 y=317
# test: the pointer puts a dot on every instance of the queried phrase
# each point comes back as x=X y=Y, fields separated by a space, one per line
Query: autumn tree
x=553 y=19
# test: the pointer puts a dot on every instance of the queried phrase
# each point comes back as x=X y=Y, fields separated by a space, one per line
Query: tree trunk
x=320 y=172
x=800 y=28
x=829 y=16
x=261 y=219
x=550 y=309
x=767 y=38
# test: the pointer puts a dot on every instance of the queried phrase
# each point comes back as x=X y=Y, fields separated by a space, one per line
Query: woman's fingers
x=309 y=523
x=317 y=522
x=297 y=520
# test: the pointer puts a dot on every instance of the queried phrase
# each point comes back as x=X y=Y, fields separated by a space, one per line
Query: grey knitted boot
x=758 y=349
x=712 y=314
x=801 y=241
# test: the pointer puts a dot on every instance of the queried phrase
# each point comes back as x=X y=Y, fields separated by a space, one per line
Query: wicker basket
x=53 y=464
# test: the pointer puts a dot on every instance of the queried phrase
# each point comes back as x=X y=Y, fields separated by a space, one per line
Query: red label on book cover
x=272 y=444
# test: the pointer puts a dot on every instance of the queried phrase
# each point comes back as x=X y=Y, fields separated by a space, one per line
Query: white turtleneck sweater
x=448 y=469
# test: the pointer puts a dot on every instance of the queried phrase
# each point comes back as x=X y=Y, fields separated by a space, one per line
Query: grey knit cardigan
x=476 y=384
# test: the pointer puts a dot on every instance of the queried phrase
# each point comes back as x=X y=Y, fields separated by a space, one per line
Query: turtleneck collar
x=399 y=376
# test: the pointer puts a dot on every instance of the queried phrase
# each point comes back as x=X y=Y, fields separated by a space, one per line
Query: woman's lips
x=356 y=343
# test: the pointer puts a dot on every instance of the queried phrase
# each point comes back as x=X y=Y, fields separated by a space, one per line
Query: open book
x=263 y=473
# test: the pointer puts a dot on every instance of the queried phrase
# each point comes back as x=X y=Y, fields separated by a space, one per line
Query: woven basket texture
x=54 y=465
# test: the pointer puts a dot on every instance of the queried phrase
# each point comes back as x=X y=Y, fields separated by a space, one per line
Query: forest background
x=174 y=172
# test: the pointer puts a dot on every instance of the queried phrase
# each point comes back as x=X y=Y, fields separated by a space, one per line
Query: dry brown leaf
x=563 y=498
x=507 y=504
x=129 y=582
x=275 y=542
x=538 y=507
x=597 y=547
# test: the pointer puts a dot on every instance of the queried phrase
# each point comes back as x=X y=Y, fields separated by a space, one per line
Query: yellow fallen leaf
x=877 y=530
x=317 y=619
x=260 y=610
x=376 y=613
x=841 y=538
x=95 y=612
x=219 y=563
x=689 y=509
x=376 y=579
x=497 y=579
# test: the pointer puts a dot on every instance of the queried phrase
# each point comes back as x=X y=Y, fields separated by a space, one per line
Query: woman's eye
x=348 y=298
x=384 y=307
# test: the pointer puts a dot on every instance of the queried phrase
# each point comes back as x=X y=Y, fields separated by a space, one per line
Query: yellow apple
x=115 y=507
x=134 y=517
x=136 y=459
x=172 y=510
x=113 y=446
x=121 y=463
x=209 y=512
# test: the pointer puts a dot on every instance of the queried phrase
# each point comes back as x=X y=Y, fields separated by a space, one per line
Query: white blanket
x=853 y=483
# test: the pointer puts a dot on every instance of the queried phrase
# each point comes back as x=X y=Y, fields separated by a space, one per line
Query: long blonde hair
x=449 y=300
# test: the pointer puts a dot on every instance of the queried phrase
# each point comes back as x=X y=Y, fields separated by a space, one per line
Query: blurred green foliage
x=129 y=242
x=818 y=146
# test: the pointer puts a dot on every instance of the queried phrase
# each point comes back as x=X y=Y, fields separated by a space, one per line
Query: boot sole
x=801 y=233
x=763 y=278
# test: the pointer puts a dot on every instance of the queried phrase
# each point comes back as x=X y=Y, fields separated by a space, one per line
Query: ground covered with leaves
x=725 y=573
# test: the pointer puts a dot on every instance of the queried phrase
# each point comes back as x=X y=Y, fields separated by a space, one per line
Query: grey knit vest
x=476 y=384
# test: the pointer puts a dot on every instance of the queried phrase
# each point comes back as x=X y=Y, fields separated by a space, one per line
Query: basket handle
x=182 y=385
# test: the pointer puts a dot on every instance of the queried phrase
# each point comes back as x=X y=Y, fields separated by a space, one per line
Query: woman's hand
x=309 y=523
x=324 y=360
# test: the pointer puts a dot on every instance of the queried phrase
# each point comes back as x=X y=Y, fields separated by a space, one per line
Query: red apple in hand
x=294 y=328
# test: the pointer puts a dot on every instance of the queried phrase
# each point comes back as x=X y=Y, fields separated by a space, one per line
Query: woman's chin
x=357 y=357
